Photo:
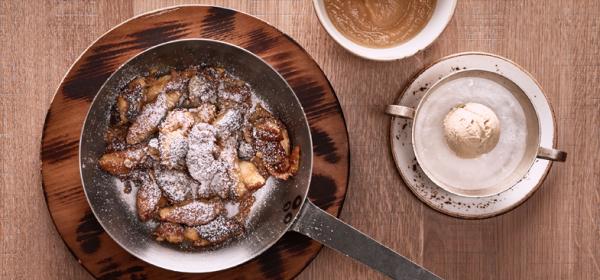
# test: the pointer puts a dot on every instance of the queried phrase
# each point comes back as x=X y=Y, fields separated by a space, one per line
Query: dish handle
x=335 y=234
x=409 y=113
x=551 y=154
x=400 y=111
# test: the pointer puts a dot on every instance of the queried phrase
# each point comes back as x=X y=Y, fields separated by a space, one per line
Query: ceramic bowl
x=533 y=149
x=442 y=14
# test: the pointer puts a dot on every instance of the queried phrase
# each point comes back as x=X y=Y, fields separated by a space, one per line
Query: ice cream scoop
x=471 y=130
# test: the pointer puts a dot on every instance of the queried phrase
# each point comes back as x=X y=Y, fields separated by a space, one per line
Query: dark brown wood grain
x=71 y=214
x=554 y=235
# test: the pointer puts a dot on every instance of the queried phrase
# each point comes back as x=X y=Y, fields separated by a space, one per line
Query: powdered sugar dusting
x=201 y=90
x=173 y=148
x=261 y=199
x=194 y=213
x=186 y=139
x=148 y=120
x=232 y=208
x=219 y=229
x=200 y=158
x=229 y=123
x=127 y=198
x=175 y=184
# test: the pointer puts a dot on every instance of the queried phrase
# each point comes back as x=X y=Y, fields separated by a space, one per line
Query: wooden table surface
x=554 y=235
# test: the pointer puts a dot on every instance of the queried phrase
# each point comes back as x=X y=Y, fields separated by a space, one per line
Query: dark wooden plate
x=61 y=182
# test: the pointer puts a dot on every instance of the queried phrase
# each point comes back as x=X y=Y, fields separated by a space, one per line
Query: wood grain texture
x=61 y=182
x=554 y=235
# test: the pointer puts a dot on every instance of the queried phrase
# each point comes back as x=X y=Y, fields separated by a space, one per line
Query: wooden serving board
x=61 y=182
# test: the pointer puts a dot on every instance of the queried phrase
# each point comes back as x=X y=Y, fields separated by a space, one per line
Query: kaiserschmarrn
x=189 y=141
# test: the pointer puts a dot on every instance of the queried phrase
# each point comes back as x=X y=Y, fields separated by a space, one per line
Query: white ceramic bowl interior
x=442 y=14
x=532 y=139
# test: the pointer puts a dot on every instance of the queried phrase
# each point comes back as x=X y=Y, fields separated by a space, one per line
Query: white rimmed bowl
x=438 y=198
x=533 y=148
x=442 y=14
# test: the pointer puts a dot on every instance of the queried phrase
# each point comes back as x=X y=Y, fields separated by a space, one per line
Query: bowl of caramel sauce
x=384 y=29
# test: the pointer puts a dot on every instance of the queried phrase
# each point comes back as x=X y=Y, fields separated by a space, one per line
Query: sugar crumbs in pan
x=191 y=142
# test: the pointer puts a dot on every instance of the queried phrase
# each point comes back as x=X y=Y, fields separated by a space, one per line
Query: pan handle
x=333 y=233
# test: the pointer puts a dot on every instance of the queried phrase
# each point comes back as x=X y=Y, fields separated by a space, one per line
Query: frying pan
x=281 y=206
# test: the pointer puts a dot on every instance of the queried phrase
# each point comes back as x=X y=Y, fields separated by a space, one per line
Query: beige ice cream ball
x=471 y=130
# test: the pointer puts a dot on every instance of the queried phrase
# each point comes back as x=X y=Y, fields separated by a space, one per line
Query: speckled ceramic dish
x=447 y=201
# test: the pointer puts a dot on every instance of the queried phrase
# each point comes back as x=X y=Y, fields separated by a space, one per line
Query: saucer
x=436 y=197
